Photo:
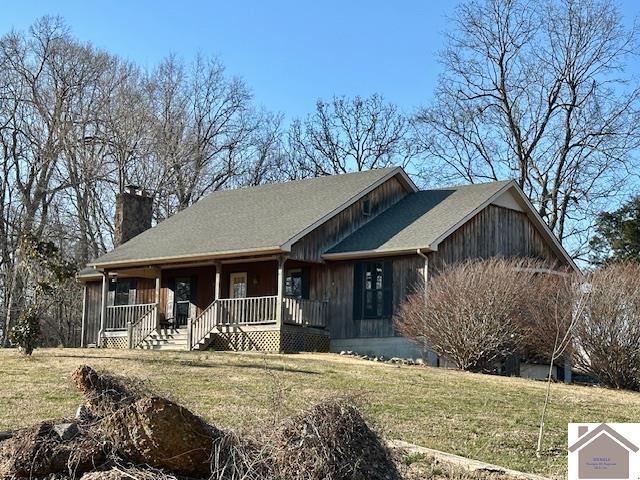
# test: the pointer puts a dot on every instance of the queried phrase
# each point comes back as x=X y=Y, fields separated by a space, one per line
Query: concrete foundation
x=387 y=346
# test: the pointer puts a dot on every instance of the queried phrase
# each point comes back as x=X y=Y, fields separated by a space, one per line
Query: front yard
x=494 y=419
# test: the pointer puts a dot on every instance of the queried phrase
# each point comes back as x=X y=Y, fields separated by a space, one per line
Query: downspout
x=425 y=274
x=425 y=271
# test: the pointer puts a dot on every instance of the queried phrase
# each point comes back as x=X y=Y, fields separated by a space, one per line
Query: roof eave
x=375 y=253
x=182 y=258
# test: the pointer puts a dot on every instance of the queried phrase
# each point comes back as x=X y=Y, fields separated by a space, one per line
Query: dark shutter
x=193 y=287
x=357 y=290
x=305 y=273
x=387 y=286
x=193 y=296
x=172 y=286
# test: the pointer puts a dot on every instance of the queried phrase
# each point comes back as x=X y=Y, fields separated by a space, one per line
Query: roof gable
x=424 y=219
x=420 y=220
x=250 y=220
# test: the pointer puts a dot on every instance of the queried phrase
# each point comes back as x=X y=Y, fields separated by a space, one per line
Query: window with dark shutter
x=373 y=292
x=296 y=283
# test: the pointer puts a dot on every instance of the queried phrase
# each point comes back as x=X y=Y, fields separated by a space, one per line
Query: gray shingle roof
x=255 y=218
x=419 y=219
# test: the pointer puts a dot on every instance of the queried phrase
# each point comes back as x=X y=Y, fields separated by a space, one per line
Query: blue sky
x=289 y=52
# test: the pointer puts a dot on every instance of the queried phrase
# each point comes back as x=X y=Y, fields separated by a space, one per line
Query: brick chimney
x=134 y=208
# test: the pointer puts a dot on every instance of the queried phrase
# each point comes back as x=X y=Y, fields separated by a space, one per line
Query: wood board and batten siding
x=493 y=232
x=92 y=311
x=311 y=247
x=407 y=274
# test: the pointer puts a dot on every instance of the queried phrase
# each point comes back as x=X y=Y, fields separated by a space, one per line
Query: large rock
x=162 y=434
x=39 y=451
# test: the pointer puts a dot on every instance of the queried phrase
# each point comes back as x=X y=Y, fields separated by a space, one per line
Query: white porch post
x=216 y=285
x=157 y=297
x=216 y=290
x=280 y=297
x=103 y=311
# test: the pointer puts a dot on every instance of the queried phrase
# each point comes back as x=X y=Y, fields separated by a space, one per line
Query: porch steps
x=173 y=339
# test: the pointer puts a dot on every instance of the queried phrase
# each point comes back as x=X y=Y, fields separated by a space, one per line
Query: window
x=372 y=290
x=296 y=283
x=125 y=291
x=293 y=283
x=366 y=207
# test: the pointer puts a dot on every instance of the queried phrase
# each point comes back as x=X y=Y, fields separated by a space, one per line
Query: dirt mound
x=162 y=434
x=40 y=450
x=104 y=392
x=332 y=440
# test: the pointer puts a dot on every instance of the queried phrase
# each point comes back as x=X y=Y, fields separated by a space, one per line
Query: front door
x=238 y=285
x=182 y=301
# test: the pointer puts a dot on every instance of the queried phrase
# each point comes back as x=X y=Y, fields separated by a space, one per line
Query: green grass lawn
x=494 y=419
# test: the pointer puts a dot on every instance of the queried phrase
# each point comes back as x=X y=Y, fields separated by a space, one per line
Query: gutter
x=373 y=253
x=425 y=271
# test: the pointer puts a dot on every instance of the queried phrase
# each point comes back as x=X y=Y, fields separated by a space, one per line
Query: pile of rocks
x=382 y=358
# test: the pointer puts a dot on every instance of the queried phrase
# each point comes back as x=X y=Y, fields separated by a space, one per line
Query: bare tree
x=536 y=91
x=346 y=135
x=202 y=120
x=553 y=307
x=607 y=332
x=45 y=74
x=471 y=313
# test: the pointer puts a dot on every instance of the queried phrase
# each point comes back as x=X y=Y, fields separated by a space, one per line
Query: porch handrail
x=119 y=316
x=231 y=311
x=247 y=310
x=143 y=327
x=201 y=326
x=300 y=311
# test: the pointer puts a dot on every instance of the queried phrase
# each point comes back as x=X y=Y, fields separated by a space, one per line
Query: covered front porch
x=208 y=304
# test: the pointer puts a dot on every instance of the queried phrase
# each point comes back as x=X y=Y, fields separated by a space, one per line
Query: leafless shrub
x=607 y=334
x=331 y=441
x=548 y=320
x=471 y=312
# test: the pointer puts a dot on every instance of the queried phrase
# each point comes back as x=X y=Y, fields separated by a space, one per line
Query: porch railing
x=202 y=325
x=141 y=329
x=254 y=311
x=299 y=311
x=119 y=316
x=247 y=311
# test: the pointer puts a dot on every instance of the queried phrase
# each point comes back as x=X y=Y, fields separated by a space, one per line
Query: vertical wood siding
x=262 y=277
x=93 y=309
x=495 y=231
x=315 y=243
x=336 y=281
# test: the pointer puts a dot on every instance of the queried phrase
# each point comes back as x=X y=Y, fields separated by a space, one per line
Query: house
x=602 y=453
x=312 y=265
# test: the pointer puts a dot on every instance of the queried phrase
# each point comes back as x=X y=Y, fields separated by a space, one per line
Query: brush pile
x=124 y=432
